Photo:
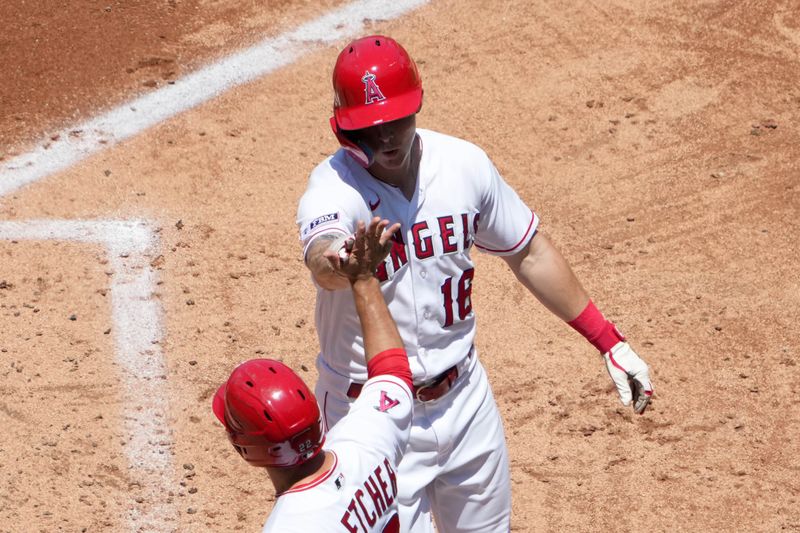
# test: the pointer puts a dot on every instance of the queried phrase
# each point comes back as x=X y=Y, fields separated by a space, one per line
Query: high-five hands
x=357 y=256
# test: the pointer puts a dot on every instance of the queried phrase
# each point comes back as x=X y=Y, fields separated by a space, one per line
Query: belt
x=430 y=390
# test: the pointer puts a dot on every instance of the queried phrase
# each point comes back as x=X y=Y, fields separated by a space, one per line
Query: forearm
x=542 y=269
x=545 y=272
x=319 y=266
x=378 y=327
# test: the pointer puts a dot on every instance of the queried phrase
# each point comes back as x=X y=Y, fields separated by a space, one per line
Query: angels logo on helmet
x=371 y=89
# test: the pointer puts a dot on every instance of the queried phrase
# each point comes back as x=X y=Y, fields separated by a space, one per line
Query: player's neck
x=287 y=478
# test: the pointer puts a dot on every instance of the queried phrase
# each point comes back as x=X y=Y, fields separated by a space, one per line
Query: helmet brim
x=368 y=115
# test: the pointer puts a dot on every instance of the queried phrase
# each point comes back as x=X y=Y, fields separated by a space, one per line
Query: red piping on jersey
x=314 y=482
x=325 y=411
x=533 y=217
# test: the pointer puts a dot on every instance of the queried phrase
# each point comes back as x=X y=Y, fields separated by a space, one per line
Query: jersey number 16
x=463 y=297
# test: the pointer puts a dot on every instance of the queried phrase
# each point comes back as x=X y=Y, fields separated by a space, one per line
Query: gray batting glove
x=631 y=376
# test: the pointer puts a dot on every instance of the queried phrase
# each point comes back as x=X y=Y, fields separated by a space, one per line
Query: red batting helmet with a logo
x=374 y=81
x=271 y=416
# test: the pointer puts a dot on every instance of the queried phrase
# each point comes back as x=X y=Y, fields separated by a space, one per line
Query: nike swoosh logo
x=373 y=207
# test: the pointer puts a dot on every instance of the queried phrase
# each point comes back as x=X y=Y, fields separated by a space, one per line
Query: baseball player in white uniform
x=448 y=198
x=349 y=483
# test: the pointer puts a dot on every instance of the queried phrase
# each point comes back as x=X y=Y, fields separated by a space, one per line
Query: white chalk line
x=137 y=331
x=83 y=140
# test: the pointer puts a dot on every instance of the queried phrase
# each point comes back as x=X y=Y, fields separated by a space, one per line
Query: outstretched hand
x=631 y=375
x=357 y=256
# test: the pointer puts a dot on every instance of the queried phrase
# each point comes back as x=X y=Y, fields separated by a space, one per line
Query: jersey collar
x=317 y=480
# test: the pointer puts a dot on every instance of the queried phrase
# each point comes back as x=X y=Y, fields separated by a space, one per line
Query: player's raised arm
x=357 y=261
x=380 y=331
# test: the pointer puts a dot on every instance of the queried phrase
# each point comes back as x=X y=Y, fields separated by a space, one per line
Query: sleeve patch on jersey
x=319 y=221
x=386 y=403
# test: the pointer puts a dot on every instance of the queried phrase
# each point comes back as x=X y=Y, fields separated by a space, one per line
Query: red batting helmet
x=271 y=416
x=374 y=81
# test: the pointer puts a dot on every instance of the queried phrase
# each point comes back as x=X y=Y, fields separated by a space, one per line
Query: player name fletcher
x=360 y=516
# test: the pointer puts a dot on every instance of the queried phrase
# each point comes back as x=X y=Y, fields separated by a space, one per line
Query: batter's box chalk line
x=137 y=330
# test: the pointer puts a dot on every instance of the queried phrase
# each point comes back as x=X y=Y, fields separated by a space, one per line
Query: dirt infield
x=657 y=143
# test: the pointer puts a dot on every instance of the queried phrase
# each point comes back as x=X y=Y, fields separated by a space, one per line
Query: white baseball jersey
x=359 y=493
x=460 y=201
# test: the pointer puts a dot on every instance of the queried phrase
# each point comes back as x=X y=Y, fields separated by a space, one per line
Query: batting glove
x=631 y=376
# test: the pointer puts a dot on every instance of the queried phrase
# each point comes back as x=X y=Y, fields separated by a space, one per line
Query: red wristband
x=591 y=323
x=393 y=361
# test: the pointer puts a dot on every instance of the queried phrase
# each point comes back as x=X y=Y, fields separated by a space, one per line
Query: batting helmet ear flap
x=219 y=404
x=357 y=150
